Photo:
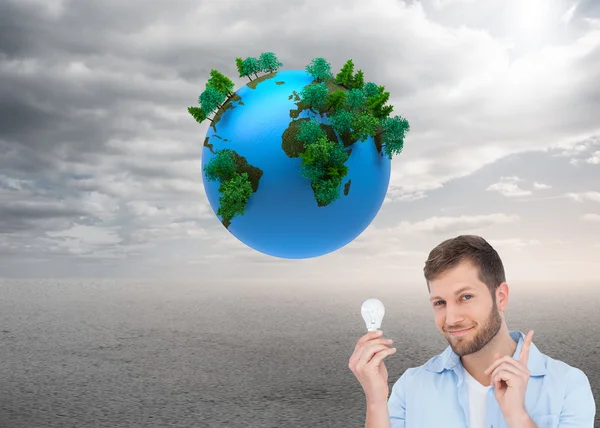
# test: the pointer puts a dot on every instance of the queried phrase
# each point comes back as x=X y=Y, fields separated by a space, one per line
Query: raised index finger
x=524 y=355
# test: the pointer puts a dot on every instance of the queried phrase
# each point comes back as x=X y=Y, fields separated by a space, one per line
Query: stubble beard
x=488 y=330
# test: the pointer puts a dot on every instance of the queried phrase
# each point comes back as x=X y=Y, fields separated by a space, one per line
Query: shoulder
x=570 y=390
x=429 y=370
x=428 y=381
x=558 y=371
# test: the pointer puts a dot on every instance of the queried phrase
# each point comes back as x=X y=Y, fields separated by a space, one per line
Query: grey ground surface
x=141 y=354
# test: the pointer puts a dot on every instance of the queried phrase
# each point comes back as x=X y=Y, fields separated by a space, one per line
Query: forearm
x=378 y=415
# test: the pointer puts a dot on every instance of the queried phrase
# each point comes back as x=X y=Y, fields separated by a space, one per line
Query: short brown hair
x=471 y=248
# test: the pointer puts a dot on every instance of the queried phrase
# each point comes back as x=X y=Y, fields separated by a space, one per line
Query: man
x=488 y=376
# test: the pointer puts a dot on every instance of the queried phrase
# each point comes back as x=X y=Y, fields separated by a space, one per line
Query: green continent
x=239 y=180
x=347 y=187
x=290 y=143
x=254 y=83
x=324 y=165
x=323 y=156
x=356 y=111
x=228 y=105
x=300 y=106
x=208 y=145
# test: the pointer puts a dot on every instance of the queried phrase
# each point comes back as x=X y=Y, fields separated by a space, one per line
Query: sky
x=100 y=162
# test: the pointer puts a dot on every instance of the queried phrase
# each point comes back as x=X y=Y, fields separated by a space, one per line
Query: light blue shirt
x=434 y=395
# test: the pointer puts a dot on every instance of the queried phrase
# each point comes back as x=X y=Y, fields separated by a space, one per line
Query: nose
x=454 y=316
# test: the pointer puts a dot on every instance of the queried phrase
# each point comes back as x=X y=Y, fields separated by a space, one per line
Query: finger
x=496 y=363
x=364 y=339
x=368 y=353
x=497 y=383
x=508 y=360
x=357 y=355
x=369 y=336
x=378 y=357
x=516 y=370
x=381 y=341
x=503 y=375
x=524 y=355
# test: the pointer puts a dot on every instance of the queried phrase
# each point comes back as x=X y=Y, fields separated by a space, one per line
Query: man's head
x=466 y=281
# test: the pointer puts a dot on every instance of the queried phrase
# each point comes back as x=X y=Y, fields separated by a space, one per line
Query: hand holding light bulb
x=366 y=361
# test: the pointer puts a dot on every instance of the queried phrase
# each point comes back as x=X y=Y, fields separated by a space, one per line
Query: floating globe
x=258 y=127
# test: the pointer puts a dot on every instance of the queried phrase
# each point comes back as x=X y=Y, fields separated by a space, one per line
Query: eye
x=467 y=295
x=438 y=303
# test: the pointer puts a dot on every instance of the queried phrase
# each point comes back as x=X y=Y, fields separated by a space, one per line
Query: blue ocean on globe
x=282 y=218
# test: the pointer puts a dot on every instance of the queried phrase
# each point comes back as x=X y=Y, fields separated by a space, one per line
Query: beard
x=484 y=334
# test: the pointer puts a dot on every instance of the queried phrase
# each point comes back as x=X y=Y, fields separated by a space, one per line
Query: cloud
x=593 y=217
x=585 y=151
x=541 y=186
x=411 y=241
x=595 y=158
x=82 y=240
x=169 y=231
x=513 y=244
x=463 y=223
x=584 y=196
x=568 y=15
x=100 y=159
x=507 y=186
x=441 y=4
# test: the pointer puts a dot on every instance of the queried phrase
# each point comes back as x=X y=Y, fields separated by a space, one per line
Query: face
x=464 y=309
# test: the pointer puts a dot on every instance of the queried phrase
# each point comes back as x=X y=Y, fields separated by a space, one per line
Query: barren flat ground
x=108 y=353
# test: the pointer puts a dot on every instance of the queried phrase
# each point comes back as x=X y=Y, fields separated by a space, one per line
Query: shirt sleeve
x=397 y=402
x=579 y=408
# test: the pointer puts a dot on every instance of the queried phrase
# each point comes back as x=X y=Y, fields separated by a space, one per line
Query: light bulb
x=372 y=311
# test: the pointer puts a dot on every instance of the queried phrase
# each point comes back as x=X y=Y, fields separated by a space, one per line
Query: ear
x=502 y=296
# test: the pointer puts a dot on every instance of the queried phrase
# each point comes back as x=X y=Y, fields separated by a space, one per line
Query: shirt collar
x=448 y=359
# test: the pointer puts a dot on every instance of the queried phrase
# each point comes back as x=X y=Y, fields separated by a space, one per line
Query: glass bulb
x=372 y=311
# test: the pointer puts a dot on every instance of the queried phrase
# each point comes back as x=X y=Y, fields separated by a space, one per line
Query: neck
x=477 y=362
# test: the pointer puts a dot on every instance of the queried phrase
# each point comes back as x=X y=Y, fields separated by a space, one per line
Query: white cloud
x=584 y=196
x=169 y=231
x=582 y=152
x=541 y=186
x=161 y=213
x=516 y=244
x=591 y=217
x=507 y=186
x=89 y=235
x=457 y=224
x=592 y=22
x=99 y=204
x=568 y=15
x=411 y=241
x=12 y=183
x=595 y=158
x=81 y=240
x=441 y=4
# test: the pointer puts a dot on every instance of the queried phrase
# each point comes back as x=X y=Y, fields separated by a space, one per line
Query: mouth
x=459 y=332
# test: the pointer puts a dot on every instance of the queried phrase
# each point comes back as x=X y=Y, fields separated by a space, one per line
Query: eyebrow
x=457 y=292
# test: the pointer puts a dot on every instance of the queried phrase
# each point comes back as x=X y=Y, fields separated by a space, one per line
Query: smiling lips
x=459 y=332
